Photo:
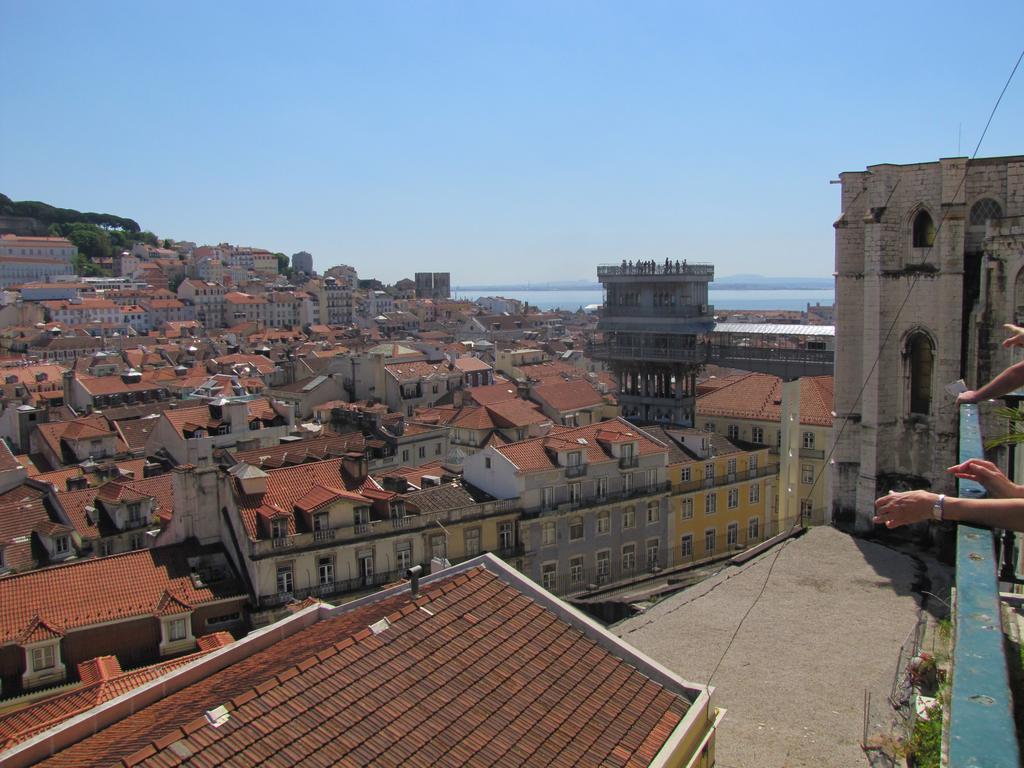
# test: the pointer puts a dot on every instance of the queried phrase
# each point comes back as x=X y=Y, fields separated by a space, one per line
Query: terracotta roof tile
x=509 y=682
x=568 y=395
x=289 y=483
x=533 y=454
x=759 y=396
x=102 y=589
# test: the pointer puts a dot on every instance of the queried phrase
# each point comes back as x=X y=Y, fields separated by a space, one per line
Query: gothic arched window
x=924 y=230
x=983 y=210
x=920 y=358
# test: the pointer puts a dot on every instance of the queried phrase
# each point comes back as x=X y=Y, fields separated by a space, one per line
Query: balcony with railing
x=370 y=529
x=725 y=478
x=563 y=501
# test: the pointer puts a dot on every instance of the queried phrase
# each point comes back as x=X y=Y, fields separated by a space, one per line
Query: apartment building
x=595 y=502
x=748 y=408
x=723 y=494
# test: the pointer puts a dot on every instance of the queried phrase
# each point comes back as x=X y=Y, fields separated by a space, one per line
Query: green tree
x=148 y=238
x=92 y=242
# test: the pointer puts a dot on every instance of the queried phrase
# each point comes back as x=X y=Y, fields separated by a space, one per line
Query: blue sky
x=497 y=141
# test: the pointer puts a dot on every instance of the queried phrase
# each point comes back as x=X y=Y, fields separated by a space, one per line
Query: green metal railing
x=981 y=728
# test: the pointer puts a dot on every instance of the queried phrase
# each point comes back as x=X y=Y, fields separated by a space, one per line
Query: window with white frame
x=686 y=546
x=684 y=475
x=806 y=474
x=575 y=528
x=730 y=466
x=653 y=512
x=325 y=570
x=808 y=440
x=279 y=527
x=575 y=492
x=604 y=521
x=44 y=657
x=61 y=545
x=547 y=533
x=548 y=575
x=805 y=507
x=686 y=509
x=628 y=518
x=710 y=504
x=733 y=498
x=755 y=493
x=709 y=471
x=403 y=555
x=754 y=529
x=602 y=487
x=757 y=435
x=602 y=563
x=628 y=557
x=576 y=570
x=733 y=432
x=732 y=534
x=709 y=541
x=752 y=462
x=320 y=521
x=135 y=513
x=652 y=477
x=653 y=545
x=549 y=497
x=285 y=581
x=177 y=630
x=627 y=482
x=506 y=535
x=574 y=459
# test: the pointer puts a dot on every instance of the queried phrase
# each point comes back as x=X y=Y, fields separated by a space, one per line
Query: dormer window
x=278 y=528
x=135 y=514
x=61 y=545
x=43 y=658
x=574 y=459
x=320 y=521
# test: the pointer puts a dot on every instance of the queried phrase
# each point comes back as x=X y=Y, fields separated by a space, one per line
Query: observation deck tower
x=655 y=324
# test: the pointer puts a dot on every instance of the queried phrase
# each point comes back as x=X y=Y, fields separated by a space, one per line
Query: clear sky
x=497 y=141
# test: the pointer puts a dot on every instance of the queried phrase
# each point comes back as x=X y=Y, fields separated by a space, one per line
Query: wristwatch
x=939 y=507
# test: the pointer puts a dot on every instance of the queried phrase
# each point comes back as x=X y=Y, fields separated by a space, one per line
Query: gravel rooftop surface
x=829 y=625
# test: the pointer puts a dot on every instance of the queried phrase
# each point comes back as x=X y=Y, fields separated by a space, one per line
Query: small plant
x=925 y=745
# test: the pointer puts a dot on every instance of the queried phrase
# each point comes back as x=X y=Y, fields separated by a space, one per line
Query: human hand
x=989 y=476
x=1017 y=339
x=896 y=509
x=967 y=398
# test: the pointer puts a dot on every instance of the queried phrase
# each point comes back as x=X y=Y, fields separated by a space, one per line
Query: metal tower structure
x=656 y=317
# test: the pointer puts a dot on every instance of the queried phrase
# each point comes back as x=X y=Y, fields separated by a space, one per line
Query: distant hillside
x=98 y=236
x=48 y=214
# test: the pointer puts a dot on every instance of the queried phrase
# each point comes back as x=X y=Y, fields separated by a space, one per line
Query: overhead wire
x=874 y=365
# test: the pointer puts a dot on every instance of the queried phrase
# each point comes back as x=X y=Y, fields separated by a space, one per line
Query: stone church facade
x=929 y=265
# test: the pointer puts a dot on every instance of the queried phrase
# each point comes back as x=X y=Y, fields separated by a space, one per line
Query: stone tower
x=929 y=264
x=655 y=315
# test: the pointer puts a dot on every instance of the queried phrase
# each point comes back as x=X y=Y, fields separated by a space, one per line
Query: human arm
x=1010 y=379
x=896 y=509
x=1017 y=339
x=989 y=476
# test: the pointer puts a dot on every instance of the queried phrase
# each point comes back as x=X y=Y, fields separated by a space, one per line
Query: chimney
x=355 y=465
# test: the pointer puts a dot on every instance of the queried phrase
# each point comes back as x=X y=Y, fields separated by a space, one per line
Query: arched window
x=983 y=210
x=920 y=357
x=924 y=230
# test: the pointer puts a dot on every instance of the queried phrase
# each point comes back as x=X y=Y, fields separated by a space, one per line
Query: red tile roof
x=533 y=455
x=759 y=396
x=102 y=589
x=102 y=680
x=475 y=671
x=287 y=484
x=161 y=488
x=568 y=395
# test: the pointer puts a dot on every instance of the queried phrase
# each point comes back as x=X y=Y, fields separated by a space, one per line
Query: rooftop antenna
x=959 y=131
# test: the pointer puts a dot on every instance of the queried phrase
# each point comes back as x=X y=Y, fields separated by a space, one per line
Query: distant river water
x=723 y=299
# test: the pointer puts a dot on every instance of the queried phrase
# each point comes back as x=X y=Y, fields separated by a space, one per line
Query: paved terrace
x=830 y=624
